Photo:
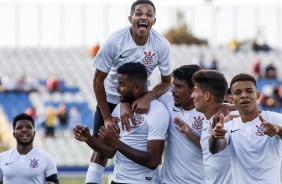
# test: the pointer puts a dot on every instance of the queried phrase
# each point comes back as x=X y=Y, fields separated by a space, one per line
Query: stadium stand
x=73 y=67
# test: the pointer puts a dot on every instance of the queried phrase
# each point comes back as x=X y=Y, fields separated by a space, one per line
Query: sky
x=72 y=23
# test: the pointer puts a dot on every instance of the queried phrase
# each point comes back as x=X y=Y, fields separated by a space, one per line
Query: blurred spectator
x=9 y=83
x=201 y=61
x=50 y=122
x=53 y=84
x=63 y=119
x=257 y=47
x=213 y=64
x=234 y=45
x=75 y=117
x=270 y=103
x=269 y=86
x=256 y=68
x=270 y=72
x=32 y=84
x=21 y=83
x=32 y=112
x=94 y=50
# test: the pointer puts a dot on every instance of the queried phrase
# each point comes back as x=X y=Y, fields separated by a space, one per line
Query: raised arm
x=217 y=141
x=142 y=105
x=150 y=158
x=83 y=134
x=271 y=129
x=100 y=93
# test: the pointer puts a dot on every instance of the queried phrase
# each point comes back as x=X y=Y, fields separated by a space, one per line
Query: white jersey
x=120 y=48
x=31 y=168
x=256 y=157
x=217 y=166
x=183 y=161
x=151 y=126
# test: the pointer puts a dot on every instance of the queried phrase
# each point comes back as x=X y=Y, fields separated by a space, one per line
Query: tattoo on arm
x=215 y=145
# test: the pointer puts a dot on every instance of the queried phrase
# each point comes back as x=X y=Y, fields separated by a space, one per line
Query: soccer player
x=26 y=164
x=139 y=151
x=183 y=158
x=254 y=137
x=135 y=43
x=208 y=96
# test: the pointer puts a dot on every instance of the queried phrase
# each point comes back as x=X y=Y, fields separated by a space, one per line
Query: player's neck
x=139 y=40
x=211 y=110
x=247 y=117
x=24 y=149
x=188 y=107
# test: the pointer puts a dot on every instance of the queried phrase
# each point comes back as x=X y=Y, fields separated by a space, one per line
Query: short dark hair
x=228 y=91
x=134 y=71
x=186 y=72
x=137 y=2
x=212 y=81
x=243 y=77
x=22 y=116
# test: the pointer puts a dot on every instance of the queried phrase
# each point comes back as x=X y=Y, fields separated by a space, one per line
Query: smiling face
x=182 y=94
x=24 y=132
x=142 y=20
x=199 y=99
x=245 y=96
x=125 y=89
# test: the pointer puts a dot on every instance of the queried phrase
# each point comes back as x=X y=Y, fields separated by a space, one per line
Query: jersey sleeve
x=273 y=117
x=158 y=121
x=116 y=111
x=166 y=98
x=51 y=167
x=165 y=64
x=105 y=57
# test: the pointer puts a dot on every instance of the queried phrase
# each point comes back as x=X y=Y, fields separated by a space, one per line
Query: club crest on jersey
x=260 y=130
x=198 y=123
x=149 y=58
x=34 y=163
x=138 y=119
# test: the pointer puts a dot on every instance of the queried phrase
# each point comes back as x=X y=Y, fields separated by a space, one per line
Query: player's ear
x=258 y=95
x=130 y=19
x=207 y=96
x=154 y=21
x=137 y=87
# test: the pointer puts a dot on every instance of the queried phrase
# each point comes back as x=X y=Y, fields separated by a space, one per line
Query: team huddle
x=180 y=131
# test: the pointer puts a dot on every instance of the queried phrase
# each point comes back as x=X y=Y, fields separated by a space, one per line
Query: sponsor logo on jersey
x=198 y=123
x=138 y=118
x=149 y=58
x=122 y=56
x=148 y=178
x=232 y=131
x=175 y=109
x=260 y=130
x=34 y=163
